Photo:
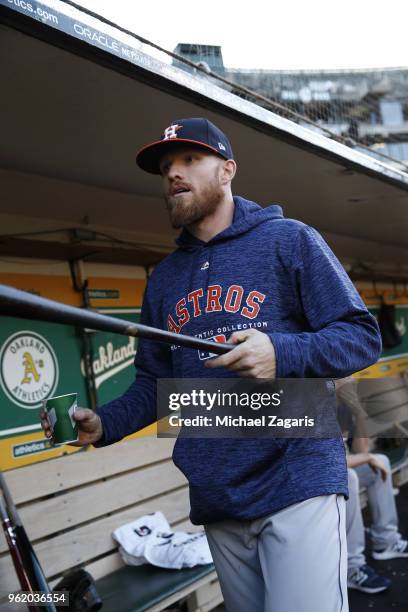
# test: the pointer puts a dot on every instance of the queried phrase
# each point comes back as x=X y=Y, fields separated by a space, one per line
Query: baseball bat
x=20 y=304
x=16 y=557
x=26 y=563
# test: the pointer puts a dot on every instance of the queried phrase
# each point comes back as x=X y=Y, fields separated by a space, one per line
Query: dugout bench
x=385 y=401
x=70 y=506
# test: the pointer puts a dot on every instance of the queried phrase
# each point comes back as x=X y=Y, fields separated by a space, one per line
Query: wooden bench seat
x=146 y=588
x=71 y=505
x=385 y=401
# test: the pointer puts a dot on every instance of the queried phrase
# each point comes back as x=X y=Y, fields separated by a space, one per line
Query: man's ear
x=228 y=171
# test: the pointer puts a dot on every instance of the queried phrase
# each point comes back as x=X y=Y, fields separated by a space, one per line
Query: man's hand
x=89 y=426
x=253 y=358
x=377 y=465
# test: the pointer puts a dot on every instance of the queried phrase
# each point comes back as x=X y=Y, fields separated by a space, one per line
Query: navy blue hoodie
x=276 y=275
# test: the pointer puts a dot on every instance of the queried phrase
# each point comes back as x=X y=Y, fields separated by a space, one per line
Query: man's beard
x=197 y=208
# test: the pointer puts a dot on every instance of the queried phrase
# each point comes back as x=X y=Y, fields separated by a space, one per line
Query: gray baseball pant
x=384 y=528
x=294 y=560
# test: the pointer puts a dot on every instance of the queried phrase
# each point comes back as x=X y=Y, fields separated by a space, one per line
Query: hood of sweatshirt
x=247 y=215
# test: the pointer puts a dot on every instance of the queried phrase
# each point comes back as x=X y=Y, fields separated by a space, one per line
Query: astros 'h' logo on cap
x=171 y=131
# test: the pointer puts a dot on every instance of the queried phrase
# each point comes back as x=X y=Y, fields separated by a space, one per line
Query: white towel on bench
x=150 y=539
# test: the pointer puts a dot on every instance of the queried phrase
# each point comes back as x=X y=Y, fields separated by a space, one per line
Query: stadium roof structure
x=81 y=97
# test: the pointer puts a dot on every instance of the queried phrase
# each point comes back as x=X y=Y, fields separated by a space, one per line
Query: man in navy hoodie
x=273 y=508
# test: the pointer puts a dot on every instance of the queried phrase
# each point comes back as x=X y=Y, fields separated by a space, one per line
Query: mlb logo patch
x=205 y=354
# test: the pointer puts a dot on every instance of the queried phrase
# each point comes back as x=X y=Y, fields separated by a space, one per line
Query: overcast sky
x=269 y=34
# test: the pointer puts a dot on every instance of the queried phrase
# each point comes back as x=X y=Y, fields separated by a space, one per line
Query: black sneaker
x=365 y=579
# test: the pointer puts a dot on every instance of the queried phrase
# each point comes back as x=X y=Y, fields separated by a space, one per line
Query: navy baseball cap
x=195 y=132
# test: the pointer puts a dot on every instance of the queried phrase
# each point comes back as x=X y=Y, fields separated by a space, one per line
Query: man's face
x=192 y=186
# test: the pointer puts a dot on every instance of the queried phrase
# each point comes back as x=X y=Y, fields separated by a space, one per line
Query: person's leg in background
x=354 y=525
x=360 y=576
x=386 y=540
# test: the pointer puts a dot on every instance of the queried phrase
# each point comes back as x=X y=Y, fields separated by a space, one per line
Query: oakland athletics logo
x=28 y=369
